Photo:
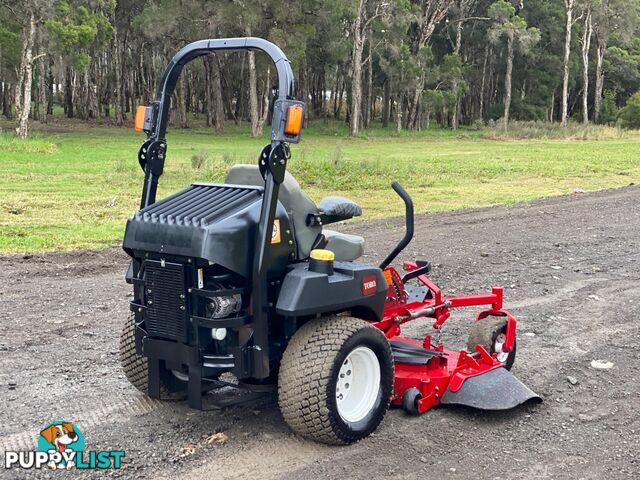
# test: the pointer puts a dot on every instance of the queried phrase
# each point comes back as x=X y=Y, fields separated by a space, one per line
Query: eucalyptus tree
x=10 y=58
x=80 y=31
x=587 y=33
x=428 y=14
x=507 y=23
x=569 y=7
x=366 y=12
x=612 y=19
x=29 y=17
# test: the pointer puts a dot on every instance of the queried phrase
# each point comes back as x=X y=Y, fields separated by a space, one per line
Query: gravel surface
x=571 y=270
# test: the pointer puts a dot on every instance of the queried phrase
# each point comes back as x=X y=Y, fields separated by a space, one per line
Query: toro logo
x=369 y=285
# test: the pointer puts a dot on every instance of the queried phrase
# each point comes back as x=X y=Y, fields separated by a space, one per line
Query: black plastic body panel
x=305 y=292
x=213 y=222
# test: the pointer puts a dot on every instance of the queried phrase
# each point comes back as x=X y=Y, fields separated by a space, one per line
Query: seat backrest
x=294 y=200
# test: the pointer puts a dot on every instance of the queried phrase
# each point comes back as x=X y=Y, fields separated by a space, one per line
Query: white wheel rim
x=501 y=355
x=358 y=384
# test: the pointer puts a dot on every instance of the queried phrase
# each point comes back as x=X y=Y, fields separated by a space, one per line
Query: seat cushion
x=346 y=247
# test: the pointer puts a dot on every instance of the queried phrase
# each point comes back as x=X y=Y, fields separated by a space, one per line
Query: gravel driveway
x=571 y=270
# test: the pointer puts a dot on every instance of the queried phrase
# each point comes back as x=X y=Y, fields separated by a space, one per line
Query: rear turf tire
x=324 y=356
x=487 y=332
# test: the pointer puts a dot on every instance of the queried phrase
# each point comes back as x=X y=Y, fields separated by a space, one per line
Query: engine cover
x=214 y=222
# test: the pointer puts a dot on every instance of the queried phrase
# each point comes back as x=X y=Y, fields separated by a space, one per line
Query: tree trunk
x=254 y=115
x=119 y=103
x=398 y=118
x=508 y=79
x=597 y=102
x=265 y=102
x=386 y=103
x=455 y=87
x=6 y=104
x=92 y=98
x=369 y=93
x=208 y=94
x=484 y=81
x=218 y=105
x=356 y=63
x=304 y=90
x=337 y=101
x=22 y=131
x=412 y=121
x=181 y=103
x=50 y=88
x=42 y=90
x=586 y=46
x=17 y=94
x=68 y=92
x=565 y=70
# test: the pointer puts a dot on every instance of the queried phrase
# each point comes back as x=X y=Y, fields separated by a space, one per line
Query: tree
x=23 y=92
x=569 y=5
x=10 y=58
x=462 y=13
x=587 y=33
x=611 y=19
x=367 y=11
x=405 y=63
x=80 y=32
x=507 y=23
x=428 y=14
x=29 y=16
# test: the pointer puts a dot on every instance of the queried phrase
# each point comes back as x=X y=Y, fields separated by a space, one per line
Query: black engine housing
x=213 y=222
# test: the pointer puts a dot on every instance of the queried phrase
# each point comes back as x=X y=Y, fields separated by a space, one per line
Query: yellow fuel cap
x=324 y=255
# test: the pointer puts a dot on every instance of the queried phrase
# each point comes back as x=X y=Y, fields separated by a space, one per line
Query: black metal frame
x=408 y=236
x=273 y=165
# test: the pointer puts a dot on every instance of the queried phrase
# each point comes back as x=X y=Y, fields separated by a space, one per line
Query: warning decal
x=275 y=234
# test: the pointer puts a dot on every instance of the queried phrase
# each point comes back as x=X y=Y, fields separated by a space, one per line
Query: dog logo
x=63 y=438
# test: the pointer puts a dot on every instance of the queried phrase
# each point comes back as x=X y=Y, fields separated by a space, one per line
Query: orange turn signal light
x=388 y=277
x=141 y=113
x=293 y=125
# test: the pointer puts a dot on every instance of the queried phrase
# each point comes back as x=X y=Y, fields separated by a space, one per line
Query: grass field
x=75 y=187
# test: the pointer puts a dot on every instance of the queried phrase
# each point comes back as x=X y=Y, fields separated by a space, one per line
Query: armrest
x=334 y=209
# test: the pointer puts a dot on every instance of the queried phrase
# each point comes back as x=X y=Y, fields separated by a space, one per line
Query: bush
x=609 y=110
x=630 y=114
x=550 y=131
x=199 y=159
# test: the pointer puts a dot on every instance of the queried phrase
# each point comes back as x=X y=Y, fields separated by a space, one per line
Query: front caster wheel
x=335 y=380
x=410 y=401
x=491 y=333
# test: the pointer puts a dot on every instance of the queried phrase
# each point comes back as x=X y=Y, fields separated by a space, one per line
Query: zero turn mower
x=243 y=277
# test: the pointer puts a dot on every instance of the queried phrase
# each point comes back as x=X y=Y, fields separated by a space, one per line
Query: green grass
x=75 y=186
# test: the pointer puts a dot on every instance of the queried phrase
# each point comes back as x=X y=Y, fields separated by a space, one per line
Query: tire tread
x=305 y=373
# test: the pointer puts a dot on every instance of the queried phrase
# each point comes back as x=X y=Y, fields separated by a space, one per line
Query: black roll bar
x=153 y=150
x=204 y=47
